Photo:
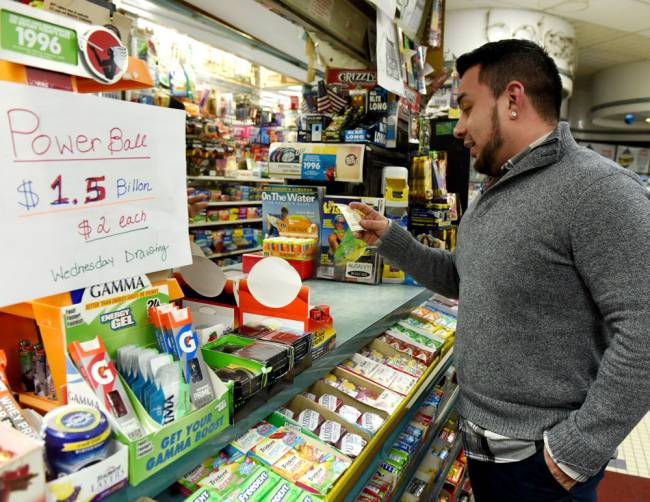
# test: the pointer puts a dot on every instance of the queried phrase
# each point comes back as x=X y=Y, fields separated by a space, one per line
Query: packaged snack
x=349 y=413
x=370 y=422
x=330 y=432
x=379 y=374
x=253 y=437
x=286 y=412
x=277 y=445
x=195 y=371
x=330 y=402
x=284 y=492
x=255 y=487
x=96 y=367
x=310 y=396
x=352 y=444
x=416 y=487
x=192 y=478
x=425 y=313
x=399 y=457
x=415 y=338
x=292 y=466
x=377 y=488
x=230 y=473
x=310 y=420
x=12 y=414
x=419 y=352
x=306 y=497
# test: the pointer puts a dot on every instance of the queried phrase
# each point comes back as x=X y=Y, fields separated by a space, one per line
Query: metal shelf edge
x=437 y=487
x=439 y=423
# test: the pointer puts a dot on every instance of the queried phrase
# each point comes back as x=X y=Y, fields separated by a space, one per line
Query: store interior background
x=610 y=63
x=603 y=51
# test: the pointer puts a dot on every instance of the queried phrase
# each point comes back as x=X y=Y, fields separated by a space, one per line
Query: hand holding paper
x=373 y=224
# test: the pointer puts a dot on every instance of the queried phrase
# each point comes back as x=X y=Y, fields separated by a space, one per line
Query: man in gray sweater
x=552 y=270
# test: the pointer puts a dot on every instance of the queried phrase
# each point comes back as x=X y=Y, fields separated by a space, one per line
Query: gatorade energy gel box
x=195 y=371
x=98 y=370
x=164 y=337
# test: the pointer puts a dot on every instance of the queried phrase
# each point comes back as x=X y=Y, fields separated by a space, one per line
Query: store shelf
x=235 y=252
x=413 y=406
x=235 y=203
x=237 y=180
x=222 y=223
x=357 y=322
x=453 y=454
x=436 y=427
x=39 y=403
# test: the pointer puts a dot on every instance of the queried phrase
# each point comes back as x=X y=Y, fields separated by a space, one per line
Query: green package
x=398 y=457
x=308 y=497
x=255 y=488
x=229 y=474
x=192 y=478
x=204 y=495
x=284 y=491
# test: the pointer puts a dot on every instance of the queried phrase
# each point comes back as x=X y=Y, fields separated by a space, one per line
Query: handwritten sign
x=92 y=190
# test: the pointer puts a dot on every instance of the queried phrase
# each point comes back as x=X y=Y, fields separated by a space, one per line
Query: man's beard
x=486 y=161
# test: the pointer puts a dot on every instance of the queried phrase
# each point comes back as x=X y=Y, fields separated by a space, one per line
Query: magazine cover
x=291 y=211
x=342 y=256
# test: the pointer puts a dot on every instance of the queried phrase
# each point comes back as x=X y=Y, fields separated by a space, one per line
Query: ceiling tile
x=625 y=15
x=636 y=46
x=588 y=34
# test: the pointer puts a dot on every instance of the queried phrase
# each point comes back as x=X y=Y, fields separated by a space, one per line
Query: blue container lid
x=73 y=423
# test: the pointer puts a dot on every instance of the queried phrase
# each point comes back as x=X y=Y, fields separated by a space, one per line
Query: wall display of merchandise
x=433 y=212
x=231 y=119
x=230 y=224
x=314 y=232
x=269 y=388
x=347 y=435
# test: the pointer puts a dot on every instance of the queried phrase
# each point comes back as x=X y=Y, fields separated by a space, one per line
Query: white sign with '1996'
x=92 y=189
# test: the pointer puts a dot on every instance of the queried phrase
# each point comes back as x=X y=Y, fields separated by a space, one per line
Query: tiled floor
x=634 y=452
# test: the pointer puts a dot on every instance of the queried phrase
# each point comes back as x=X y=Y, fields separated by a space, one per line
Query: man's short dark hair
x=506 y=60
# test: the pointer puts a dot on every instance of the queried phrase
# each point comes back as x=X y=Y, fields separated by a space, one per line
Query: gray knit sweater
x=552 y=271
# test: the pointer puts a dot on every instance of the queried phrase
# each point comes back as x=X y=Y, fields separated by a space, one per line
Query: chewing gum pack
x=98 y=370
x=178 y=323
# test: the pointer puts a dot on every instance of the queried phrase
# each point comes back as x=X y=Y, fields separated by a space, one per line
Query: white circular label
x=274 y=282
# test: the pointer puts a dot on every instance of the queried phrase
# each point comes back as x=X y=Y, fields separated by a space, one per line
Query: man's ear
x=515 y=93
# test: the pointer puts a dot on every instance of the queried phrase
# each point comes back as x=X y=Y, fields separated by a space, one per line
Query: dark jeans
x=526 y=481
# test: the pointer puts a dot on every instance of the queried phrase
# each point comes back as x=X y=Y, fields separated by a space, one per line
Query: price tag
x=92 y=190
x=37 y=38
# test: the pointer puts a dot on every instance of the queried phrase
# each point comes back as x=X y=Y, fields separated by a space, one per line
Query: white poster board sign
x=92 y=190
x=389 y=62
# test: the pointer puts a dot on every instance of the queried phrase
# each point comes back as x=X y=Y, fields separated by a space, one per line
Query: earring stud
x=513 y=114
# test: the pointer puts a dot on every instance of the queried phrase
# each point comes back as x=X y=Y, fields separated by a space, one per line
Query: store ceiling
x=608 y=33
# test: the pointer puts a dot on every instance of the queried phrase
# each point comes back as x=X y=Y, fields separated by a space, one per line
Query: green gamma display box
x=105 y=325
